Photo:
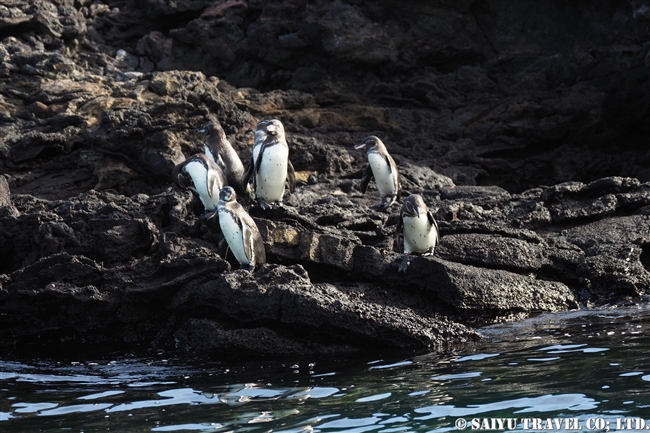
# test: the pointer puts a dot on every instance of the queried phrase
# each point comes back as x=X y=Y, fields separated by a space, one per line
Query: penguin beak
x=270 y=129
x=360 y=146
x=201 y=130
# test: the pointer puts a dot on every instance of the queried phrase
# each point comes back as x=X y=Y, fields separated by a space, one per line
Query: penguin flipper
x=390 y=162
x=392 y=167
x=211 y=177
x=433 y=222
x=291 y=176
x=246 y=177
x=248 y=241
x=365 y=179
x=398 y=231
x=253 y=245
x=398 y=194
x=258 y=249
x=258 y=163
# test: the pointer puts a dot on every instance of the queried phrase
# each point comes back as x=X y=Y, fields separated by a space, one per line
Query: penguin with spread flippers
x=382 y=167
x=219 y=149
x=240 y=231
x=270 y=167
x=203 y=177
x=419 y=229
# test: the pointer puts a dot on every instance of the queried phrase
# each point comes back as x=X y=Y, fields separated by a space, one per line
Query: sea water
x=576 y=371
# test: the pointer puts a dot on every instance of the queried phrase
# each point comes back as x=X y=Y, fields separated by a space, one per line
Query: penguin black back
x=221 y=151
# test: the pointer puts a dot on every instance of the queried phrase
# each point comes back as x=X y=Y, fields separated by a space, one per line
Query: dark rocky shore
x=524 y=125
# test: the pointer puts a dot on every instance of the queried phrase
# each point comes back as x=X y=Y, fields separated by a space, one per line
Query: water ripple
x=75 y=408
x=374 y=397
x=544 y=403
x=477 y=357
x=552 y=369
x=457 y=376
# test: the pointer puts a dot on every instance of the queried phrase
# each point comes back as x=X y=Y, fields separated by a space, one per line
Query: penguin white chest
x=419 y=234
x=234 y=235
x=199 y=176
x=271 y=175
x=384 y=178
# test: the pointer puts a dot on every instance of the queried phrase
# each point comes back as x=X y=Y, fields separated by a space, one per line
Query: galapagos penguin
x=270 y=167
x=240 y=231
x=382 y=167
x=219 y=149
x=203 y=177
x=420 y=230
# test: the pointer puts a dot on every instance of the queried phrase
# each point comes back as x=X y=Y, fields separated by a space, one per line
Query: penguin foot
x=390 y=201
x=405 y=263
x=263 y=204
x=383 y=206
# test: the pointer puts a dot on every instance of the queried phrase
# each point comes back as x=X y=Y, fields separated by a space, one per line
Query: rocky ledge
x=98 y=103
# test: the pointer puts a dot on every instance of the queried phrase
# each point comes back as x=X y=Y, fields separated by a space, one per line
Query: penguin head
x=227 y=194
x=212 y=129
x=181 y=176
x=183 y=179
x=370 y=143
x=260 y=134
x=413 y=206
x=270 y=127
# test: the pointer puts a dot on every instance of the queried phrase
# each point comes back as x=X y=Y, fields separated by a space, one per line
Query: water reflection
x=544 y=403
x=581 y=366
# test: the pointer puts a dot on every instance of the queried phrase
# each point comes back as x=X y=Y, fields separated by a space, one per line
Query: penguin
x=382 y=167
x=219 y=149
x=203 y=177
x=240 y=231
x=270 y=167
x=420 y=230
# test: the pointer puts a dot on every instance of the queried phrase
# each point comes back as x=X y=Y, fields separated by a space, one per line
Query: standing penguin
x=219 y=149
x=270 y=166
x=383 y=168
x=420 y=229
x=203 y=177
x=240 y=230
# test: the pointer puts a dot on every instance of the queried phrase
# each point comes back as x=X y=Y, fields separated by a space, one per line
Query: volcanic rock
x=523 y=125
